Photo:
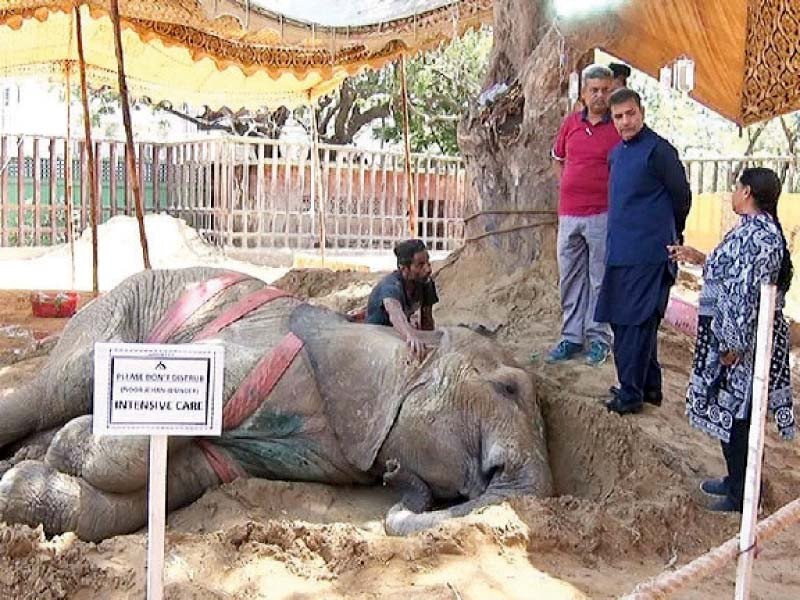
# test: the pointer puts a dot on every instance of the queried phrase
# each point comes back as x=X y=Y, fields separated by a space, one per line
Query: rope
x=507 y=212
x=670 y=582
x=509 y=230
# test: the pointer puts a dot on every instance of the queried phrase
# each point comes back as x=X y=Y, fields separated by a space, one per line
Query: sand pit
x=627 y=504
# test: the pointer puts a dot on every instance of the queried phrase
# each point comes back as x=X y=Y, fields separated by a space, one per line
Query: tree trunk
x=512 y=220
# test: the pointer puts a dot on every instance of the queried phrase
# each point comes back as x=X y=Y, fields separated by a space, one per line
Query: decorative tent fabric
x=746 y=52
x=222 y=53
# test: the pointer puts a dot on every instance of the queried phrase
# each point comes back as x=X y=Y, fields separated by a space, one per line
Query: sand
x=172 y=245
x=627 y=504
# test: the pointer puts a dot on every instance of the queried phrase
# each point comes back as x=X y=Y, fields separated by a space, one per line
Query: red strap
x=190 y=302
x=260 y=381
x=240 y=309
x=225 y=468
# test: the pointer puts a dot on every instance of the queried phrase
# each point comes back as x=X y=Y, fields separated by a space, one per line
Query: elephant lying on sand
x=345 y=405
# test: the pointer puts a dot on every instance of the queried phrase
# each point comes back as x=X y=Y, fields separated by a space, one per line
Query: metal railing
x=238 y=192
x=249 y=193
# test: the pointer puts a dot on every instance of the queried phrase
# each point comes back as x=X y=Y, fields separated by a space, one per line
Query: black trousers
x=735 y=452
x=636 y=359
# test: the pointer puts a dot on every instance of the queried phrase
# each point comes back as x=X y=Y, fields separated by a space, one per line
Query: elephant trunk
x=505 y=477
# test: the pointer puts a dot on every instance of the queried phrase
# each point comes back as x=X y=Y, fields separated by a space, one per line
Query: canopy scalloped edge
x=98 y=78
x=277 y=60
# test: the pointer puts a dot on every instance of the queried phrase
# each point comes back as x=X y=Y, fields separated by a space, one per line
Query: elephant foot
x=34 y=493
x=417 y=496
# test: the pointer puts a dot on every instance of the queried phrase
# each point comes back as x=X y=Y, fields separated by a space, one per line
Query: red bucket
x=54 y=304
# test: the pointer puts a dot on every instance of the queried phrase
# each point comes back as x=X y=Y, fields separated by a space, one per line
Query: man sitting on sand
x=404 y=299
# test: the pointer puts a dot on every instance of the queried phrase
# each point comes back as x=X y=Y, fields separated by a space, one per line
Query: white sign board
x=158 y=389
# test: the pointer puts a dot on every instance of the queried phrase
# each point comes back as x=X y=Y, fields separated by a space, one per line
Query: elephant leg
x=115 y=464
x=61 y=391
x=417 y=496
x=33 y=447
x=34 y=492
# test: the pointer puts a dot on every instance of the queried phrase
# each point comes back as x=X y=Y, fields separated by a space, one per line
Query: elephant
x=347 y=404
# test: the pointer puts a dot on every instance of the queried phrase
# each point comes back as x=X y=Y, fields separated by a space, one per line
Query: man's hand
x=686 y=254
x=401 y=325
x=415 y=345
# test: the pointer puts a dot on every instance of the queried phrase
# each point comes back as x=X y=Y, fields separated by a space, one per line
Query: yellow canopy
x=230 y=53
x=746 y=52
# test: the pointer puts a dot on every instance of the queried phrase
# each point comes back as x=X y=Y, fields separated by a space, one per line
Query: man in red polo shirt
x=580 y=157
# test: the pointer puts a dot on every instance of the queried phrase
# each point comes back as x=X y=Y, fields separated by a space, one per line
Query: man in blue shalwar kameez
x=649 y=199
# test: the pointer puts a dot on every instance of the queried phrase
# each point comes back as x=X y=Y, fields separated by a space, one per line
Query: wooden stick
x=87 y=131
x=755 y=443
x=412 y=204
x=53 y=190
x=37 y=193
x=126 y=120
x=20 y=191
x=68 y=183
x=4 y=203
x=156 y=516
x=318 y=188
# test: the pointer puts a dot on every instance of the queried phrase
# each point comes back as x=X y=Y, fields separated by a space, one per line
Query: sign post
x=157 y=390
x=755 y=442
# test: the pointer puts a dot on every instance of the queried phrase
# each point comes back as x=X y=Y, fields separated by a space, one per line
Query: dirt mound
x=33 y=568
x=341 y=291
x=172 y=245
x=509 y=305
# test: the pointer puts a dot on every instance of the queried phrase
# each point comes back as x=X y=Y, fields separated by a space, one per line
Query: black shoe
x=714 y=487
x=623 y=408
x=652 y=397
x=726 y=504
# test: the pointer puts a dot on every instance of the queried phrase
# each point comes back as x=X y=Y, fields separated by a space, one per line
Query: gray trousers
x=581 y=263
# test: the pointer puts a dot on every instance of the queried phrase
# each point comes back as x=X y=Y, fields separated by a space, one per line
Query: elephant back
x=360 y=377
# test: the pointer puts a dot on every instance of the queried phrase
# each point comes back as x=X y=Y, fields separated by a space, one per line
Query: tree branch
x=200 y=123
x=360 y=119
x=791 y=139
x=347 y=99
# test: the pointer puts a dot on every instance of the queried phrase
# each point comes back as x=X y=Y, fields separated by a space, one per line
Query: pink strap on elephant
x=251 y=393
x=190 y=302
x=240 y=309
x=225 y=467
x=260 y=381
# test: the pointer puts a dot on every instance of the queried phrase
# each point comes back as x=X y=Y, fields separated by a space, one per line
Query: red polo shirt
x=583 y=149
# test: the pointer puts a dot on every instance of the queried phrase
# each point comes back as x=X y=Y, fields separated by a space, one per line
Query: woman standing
x=720 y=387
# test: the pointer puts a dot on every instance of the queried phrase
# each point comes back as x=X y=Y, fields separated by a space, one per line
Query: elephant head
x=469 y=430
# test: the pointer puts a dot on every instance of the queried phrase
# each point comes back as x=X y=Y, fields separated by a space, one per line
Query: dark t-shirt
x=392 y=286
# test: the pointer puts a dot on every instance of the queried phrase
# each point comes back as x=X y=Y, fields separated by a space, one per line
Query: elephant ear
x=359 y=371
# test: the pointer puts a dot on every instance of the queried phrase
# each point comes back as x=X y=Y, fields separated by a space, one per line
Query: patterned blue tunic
x=749 y=255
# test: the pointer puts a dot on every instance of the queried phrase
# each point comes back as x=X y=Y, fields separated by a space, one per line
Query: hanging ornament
x=665 y=77
x=574 y=86
x=683 y=76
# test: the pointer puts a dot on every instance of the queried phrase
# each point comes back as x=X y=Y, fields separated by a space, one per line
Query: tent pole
x=68 y=169
x=316 y=187
x=412 y=204
x=87 y=130
x=126 y=119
